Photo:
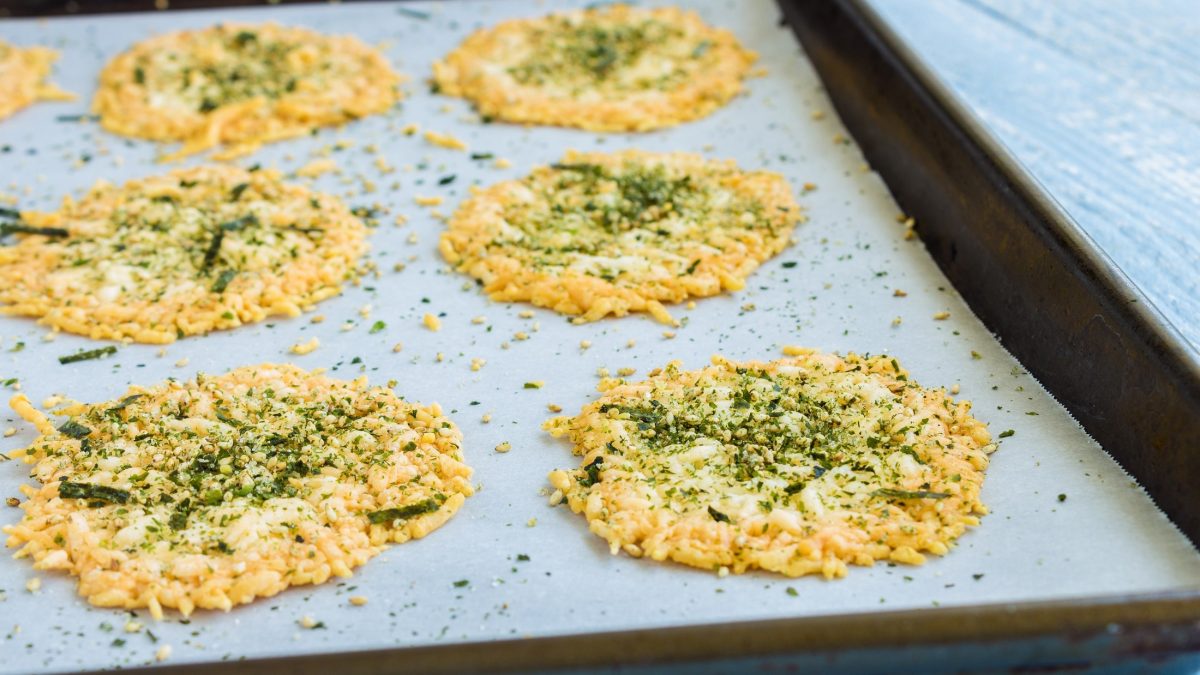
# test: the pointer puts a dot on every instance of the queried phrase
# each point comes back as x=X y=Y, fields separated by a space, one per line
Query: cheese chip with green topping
x=216 y=491
x=23 y=73
x=185 y=253
x=603 y=234
x=797 y=466
x=241 y=85
x=607 y=68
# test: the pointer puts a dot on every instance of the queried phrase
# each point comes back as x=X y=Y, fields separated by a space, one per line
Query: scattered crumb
x=358 y=600
x=535 y=384
x=585 y=344
x=477 y=363
x=317 y=318
x=302 y=348
x=626 y=372
x=398 y=347
x=532 y=522
x=899 y=293
x=181 y=362
x=163 y=653
x=487 y=417
x=432 y=322
x=429 y=201
x=502 y=163
x=445 y=140
x=669 y=334
x=479 y=320
x=941 y=316
x=33 y=585
x=554 y=407
x=504 y=447
x=527 y=314
x=796 y=350
x=316 y=168
x=307 y=621
x=132 y=626
x=954 y=388
x=11 y=431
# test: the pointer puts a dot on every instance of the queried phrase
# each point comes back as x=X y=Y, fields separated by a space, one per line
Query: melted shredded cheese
x=186 y=253
x=796 y=466
x=242 y=85
x=23 y=73
x=210 y=493
x=608 y=68
x=600 y=234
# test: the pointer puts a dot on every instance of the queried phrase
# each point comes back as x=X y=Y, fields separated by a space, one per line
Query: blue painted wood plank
x=1101 y=101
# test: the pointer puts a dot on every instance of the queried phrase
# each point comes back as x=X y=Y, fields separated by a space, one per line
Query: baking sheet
x=1106 y=537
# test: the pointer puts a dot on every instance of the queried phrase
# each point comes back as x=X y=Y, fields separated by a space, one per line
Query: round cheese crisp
x=23 y=73
x=182 y=254
x=601 y=234
x=241 y=84
x=796 y=466
x=611 y=68
x=216 y=491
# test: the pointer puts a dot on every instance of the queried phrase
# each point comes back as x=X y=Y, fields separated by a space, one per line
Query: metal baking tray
x=1043 y=331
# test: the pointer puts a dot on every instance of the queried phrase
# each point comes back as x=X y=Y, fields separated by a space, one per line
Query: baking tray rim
x=1153 y=625
x=1177 y=611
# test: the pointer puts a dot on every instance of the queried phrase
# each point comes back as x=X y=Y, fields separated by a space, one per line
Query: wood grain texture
x=1101 y=101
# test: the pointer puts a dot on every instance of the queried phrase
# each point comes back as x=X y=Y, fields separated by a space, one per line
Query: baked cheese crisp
x=610 y=68
x=600 y=234
x=797 y=466
x=241 y=85
x=23 y=73
x=182 y=254
x=216 y=491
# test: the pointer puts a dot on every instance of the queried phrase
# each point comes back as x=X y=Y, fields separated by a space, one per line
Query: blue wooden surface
x=1100 y=100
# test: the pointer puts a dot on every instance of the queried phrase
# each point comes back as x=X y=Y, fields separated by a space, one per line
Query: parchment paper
x=1065 y=521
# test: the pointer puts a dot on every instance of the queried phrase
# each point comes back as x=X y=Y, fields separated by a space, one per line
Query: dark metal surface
x=19 y=8
x=1033 y=637
x=1034 y=278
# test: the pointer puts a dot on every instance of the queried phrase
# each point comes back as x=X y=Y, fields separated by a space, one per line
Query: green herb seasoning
x=88 y=355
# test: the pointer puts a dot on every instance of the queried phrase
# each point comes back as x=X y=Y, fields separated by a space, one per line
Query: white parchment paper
x=833 y=289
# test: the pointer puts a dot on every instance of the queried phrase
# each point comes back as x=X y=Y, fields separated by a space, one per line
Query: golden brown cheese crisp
x=600 y=234
x=181 y=254
x=609 y=68
x=241 y=85
x=796 y=466
x=216 y=491
x=23 y=73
